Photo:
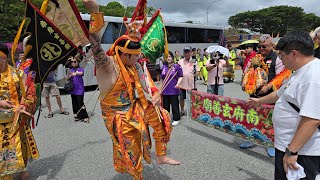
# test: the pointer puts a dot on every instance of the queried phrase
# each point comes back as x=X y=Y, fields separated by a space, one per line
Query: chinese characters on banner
x=233 y=116
x=49 y=45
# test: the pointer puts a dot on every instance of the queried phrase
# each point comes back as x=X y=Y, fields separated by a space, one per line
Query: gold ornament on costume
x=134 y=34
x=133 y=28
x=96 y=22
x=256 y=60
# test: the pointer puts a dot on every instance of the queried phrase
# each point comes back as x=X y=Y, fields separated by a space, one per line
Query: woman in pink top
x=215 y=73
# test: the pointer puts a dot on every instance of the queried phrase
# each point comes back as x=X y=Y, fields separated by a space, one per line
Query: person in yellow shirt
x=229 y=72
x=177 y=56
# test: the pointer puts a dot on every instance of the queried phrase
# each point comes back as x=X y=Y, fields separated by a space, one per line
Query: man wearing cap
x=187 y=64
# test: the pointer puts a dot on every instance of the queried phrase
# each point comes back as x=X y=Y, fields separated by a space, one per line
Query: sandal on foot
x=64 y=113
x=86 y=120
x=50 y=115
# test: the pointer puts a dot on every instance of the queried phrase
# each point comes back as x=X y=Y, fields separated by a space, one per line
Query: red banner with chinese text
x=233 y=116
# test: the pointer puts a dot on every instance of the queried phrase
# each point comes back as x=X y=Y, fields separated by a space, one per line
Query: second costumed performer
x=126 y=116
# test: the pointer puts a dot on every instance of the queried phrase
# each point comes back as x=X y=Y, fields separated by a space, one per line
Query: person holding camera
x=215 y=73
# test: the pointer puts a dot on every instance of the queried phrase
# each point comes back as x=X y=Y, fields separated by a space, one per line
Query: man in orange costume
x=126 y=116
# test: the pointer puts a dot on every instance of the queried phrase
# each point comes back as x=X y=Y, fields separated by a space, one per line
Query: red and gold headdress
x=258 y=61
x=133 y=35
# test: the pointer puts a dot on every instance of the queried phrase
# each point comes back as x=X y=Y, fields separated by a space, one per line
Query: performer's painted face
x=131 y=59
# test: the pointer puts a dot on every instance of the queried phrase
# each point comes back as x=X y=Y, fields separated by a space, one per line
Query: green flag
x=153 y=43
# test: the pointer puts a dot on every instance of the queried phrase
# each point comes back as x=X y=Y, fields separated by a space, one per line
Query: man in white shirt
x=297 y=137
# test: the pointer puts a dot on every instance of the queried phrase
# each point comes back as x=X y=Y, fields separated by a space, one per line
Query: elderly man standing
x=274 y=63
x=277 y=73
x=187 y=82
x=296 y=116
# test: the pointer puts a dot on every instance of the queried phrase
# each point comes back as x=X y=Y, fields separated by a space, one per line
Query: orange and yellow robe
x=17 y=144
x=127 y=119
x=280 y=78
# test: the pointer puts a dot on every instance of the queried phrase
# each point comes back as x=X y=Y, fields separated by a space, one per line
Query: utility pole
x=208 y=9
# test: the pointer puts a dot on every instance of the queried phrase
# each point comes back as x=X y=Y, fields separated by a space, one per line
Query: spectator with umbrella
x=219 y=60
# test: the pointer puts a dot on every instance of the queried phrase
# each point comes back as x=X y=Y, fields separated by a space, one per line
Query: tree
x=276 y=19
x=12 y=13
x=233 y=31
x=82 y=9
x=150 y=11
x=115 y=9
x=11 y=16
x=130 y=10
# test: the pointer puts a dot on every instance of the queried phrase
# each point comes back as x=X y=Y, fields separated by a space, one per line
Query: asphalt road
x=77 y=150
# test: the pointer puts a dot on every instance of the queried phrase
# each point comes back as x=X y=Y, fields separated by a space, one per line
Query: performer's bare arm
x=104 y=63
x=142 y=77
x=100 y=57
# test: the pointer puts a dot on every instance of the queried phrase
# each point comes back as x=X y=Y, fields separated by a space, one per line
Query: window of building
x=196 y=35
x=111 y=34
x=87 y=23
x=212 y=36
x=176 y=34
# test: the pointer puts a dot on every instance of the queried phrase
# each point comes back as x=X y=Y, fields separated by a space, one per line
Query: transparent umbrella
x=217 y=48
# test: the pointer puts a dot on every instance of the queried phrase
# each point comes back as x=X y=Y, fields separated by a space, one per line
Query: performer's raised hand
x=5 y=104
x=91 y=5
x=156 y=100
x=21 y=108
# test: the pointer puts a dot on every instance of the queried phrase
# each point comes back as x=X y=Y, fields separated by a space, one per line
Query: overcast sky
x=219 y=11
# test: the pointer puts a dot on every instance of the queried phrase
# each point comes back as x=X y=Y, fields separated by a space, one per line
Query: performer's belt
x=6 y=116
